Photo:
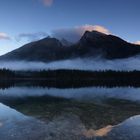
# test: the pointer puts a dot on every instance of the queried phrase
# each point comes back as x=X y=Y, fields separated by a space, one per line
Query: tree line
x=64 y=78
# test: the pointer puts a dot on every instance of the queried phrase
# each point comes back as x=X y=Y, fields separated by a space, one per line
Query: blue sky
x=22 y=21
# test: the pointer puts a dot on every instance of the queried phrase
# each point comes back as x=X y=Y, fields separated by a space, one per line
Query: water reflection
x=127 y=130
x=62 y=127
x=8 y=114
x=84 y=94
x=14 y=125
x=18 y=126
x=54 y=113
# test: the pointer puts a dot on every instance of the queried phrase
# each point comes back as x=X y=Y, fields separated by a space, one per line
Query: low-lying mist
x=96 y=94
x=127 y=64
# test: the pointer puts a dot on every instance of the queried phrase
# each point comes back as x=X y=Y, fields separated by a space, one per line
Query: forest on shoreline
x=63 y=78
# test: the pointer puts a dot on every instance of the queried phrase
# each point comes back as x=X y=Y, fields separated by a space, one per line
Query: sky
x=23 y=21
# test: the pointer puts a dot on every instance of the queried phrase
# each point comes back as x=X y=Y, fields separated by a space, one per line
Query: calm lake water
x=36 y=113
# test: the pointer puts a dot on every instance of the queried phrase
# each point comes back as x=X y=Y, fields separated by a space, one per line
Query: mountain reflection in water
x=79 y=113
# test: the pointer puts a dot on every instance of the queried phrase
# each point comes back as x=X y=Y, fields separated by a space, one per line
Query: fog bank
x=127 y=64
x=90 y=94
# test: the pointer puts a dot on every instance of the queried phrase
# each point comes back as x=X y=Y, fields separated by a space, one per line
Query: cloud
x=75 y=33
x=31 y=36
x=47 y=2
x=71 y=34
x=137 y=43
x=95 y=64
x=94 y=28
x=4 y=36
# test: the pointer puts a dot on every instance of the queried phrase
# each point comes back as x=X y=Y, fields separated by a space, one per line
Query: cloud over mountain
x=31 y=36
x=75 y=33
x=95 y=28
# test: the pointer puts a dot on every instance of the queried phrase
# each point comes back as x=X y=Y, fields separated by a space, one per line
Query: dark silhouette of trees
x=70 y=78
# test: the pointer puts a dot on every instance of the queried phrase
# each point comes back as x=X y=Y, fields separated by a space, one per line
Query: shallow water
x=76 y=113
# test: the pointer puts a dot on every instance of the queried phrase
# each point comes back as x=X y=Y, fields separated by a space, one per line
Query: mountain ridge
x=91 y=44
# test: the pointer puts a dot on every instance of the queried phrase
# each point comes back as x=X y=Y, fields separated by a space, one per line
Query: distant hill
x=91 y=44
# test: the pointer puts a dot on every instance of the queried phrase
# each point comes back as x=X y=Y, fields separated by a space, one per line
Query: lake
x=44 y=113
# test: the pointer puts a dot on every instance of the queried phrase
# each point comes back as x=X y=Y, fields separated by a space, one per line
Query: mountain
x=47 y=49
x=66 y=42
x=109 y=46
x=91 y=44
